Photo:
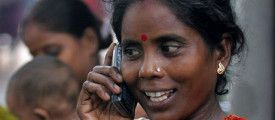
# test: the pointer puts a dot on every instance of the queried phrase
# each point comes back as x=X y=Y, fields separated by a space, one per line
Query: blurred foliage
x=5 y=114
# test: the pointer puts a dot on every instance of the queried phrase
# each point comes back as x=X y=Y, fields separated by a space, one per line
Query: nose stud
x=158 y=69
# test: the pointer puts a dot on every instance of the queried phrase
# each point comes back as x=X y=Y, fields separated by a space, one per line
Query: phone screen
x=123 y=102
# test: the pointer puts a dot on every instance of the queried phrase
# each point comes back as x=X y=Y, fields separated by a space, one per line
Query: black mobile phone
x=123 y=102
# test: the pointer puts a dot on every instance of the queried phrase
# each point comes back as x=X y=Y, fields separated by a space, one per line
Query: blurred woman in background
x=66 y=29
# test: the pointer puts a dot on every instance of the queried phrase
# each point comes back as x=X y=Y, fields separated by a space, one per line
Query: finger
x=109 y=55
x=84 y=103
x=84 y=106
x=110 y=71
x=96 y=89
x=104 y=80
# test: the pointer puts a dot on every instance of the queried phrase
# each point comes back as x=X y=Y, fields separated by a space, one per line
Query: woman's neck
x=210 y=110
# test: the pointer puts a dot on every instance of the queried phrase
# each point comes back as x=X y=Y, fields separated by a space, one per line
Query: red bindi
x=143 y=37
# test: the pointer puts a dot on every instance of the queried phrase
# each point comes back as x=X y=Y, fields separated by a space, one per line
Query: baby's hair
x=45 y=81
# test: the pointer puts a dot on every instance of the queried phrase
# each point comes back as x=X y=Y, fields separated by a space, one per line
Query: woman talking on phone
x=175 y=54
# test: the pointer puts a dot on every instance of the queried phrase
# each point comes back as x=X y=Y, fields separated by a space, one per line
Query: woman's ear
x=89 y=41
x=42 y=113
x=223 y=51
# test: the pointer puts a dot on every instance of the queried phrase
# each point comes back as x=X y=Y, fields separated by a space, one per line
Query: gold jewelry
x=221 y=69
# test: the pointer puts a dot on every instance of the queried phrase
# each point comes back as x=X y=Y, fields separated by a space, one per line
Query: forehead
x=36 y=36
x=149 y=17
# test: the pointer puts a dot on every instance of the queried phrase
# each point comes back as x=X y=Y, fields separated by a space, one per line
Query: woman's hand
x=94 y=102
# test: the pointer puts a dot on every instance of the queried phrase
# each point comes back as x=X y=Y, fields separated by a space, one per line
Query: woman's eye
x=52 y=50
x=169 y=48
x=131 y=53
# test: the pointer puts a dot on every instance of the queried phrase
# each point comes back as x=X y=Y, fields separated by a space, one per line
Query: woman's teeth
x=158 y=99
x=158 y=96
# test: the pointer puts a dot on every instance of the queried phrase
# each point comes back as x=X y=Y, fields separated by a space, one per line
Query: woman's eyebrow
x=162 y=38
x=128 y=42
x=170 y=37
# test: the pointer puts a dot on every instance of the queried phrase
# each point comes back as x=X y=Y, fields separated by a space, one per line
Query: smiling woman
x=178 y=70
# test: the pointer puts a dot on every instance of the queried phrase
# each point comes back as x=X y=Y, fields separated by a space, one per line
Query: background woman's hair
x=65 y=16
x=211 y=18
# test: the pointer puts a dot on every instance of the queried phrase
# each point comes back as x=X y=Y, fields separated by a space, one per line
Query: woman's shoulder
x=234 y=117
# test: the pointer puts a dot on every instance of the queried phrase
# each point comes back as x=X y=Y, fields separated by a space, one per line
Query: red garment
x=234 y=117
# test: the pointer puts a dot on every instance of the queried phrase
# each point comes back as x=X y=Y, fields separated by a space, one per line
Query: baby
x=43 y=89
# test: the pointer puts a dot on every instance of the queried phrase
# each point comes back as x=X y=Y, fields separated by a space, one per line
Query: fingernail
x=117 y=87
x=107 y=95
x=119 y=77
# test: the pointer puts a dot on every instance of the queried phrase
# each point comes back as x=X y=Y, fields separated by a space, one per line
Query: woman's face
x=64 y=46
x=187 y=77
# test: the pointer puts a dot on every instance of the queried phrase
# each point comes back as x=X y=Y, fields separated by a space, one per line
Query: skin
x=186 y=65
x=81 y=54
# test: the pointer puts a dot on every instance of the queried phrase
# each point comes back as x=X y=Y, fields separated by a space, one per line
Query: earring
x=158 y=69
x=221 y=69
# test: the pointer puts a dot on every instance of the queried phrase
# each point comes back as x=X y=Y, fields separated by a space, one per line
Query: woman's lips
x=159 y=99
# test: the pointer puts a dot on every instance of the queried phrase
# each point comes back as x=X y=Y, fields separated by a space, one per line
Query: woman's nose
x=151 y=68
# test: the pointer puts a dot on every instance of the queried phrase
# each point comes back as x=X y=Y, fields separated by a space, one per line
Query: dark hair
x=41 y=81
x=65 y=16
x=211 y=18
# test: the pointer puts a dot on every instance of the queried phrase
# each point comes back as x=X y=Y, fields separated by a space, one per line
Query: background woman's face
x=63 y=46
x=187 y=77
